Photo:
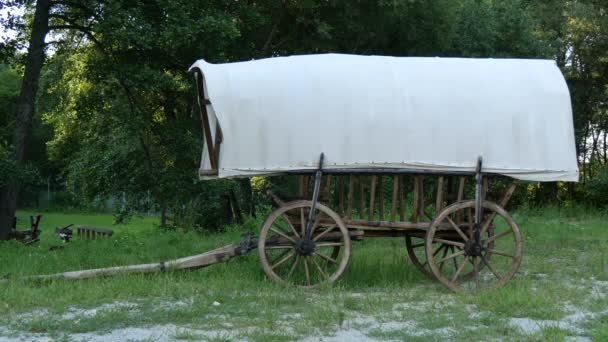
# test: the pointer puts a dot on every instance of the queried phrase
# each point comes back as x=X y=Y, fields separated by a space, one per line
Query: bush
x=596 y=189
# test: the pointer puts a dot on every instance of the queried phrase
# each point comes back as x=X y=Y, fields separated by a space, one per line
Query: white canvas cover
x=279 y=114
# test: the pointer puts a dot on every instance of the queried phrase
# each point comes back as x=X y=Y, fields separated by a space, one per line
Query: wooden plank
x=381 y=197
x=351 y=193
x=394 y=198
x=341 y=196
x=360 y=196
x=327 y=191
x=484 y=188
x=439 y=199
x=376 y=225
x=508 y=193
x=421 y=197
x=416 y=199
x=401 y=199
x=460 y=198
x=461 y=189
x=300 y=186
x=372 y=198
x=305 y=193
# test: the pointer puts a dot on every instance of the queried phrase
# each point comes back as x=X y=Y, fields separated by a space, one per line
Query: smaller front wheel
x=487 y=265
x=287 y=256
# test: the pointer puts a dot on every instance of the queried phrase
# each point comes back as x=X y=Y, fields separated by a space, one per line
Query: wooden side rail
x=359 y=198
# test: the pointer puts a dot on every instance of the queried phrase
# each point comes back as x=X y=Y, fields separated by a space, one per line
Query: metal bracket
x=478 y=206
x=315 y=198
x=248 y=244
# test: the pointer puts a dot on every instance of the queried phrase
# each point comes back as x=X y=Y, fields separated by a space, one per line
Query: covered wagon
x=368 y=134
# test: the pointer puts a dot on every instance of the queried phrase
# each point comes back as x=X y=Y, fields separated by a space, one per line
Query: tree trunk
x=25 y=109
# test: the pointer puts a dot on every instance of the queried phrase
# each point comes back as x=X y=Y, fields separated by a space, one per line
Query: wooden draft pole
x=216 y=256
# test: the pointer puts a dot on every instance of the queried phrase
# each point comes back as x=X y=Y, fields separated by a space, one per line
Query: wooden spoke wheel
x=473 y=270
x=288 y=257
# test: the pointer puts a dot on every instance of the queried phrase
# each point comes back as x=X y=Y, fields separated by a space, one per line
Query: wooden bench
x=91 y=233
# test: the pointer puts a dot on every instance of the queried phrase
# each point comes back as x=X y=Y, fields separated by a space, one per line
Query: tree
x=25 y=109
x=45 y=12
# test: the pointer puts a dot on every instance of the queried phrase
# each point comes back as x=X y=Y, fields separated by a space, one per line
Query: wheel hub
x=473 y=249
x=305 y=246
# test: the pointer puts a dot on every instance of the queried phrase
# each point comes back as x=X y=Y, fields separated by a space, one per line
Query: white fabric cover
x=279 y=114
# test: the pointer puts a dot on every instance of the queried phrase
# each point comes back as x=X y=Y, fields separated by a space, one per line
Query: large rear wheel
x=487 y=266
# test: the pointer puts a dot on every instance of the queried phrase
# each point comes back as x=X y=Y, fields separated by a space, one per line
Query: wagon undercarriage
x=466 y=244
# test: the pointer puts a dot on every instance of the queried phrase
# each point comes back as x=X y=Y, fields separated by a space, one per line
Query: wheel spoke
x=486 y=224
x=324 y=232
x=455 y=276
x=454 y=258
x=471 y=225
x=302 y=221
x=457 y=229
x=316 y=223
x=329 y=244
x=280 y=255
x=498 y=236
x=490 y=267
x=319 y=268
x=448 y=242
x=283 y=235
x=451 y=256
x=293 y=267
x=290 y=225
x=306 y=271
x=279 y=247
x=499 y=252
x=333 y=261
x=289 y=256
x=476 y=273
x=418 y=245
x=440 y=262
x=438 y=250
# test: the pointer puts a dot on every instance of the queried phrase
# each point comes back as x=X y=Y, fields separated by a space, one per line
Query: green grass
x=381 y=294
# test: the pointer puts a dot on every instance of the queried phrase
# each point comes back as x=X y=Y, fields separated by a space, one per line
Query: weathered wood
x=351 y=193
x=439 y=198
x=461 y=189
x=381 y=197
x=372 y=197
x=508 y=193
x=215 y=256
x=401 y=199
x=484 y=188
x=416 y=199
x=327 y=191
x=341 y=196
x=360 y=196
x=376 y=225
x=421 y=197
x=459 y=198
x=300 y=186
x=394 y=198
x=305 y=192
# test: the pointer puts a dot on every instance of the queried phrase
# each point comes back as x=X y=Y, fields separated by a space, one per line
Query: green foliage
x=11 y=173
x=10 y=81
x=120 y=111
x=596 y=189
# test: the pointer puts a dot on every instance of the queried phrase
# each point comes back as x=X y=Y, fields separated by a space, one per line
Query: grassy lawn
x=559 y=293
